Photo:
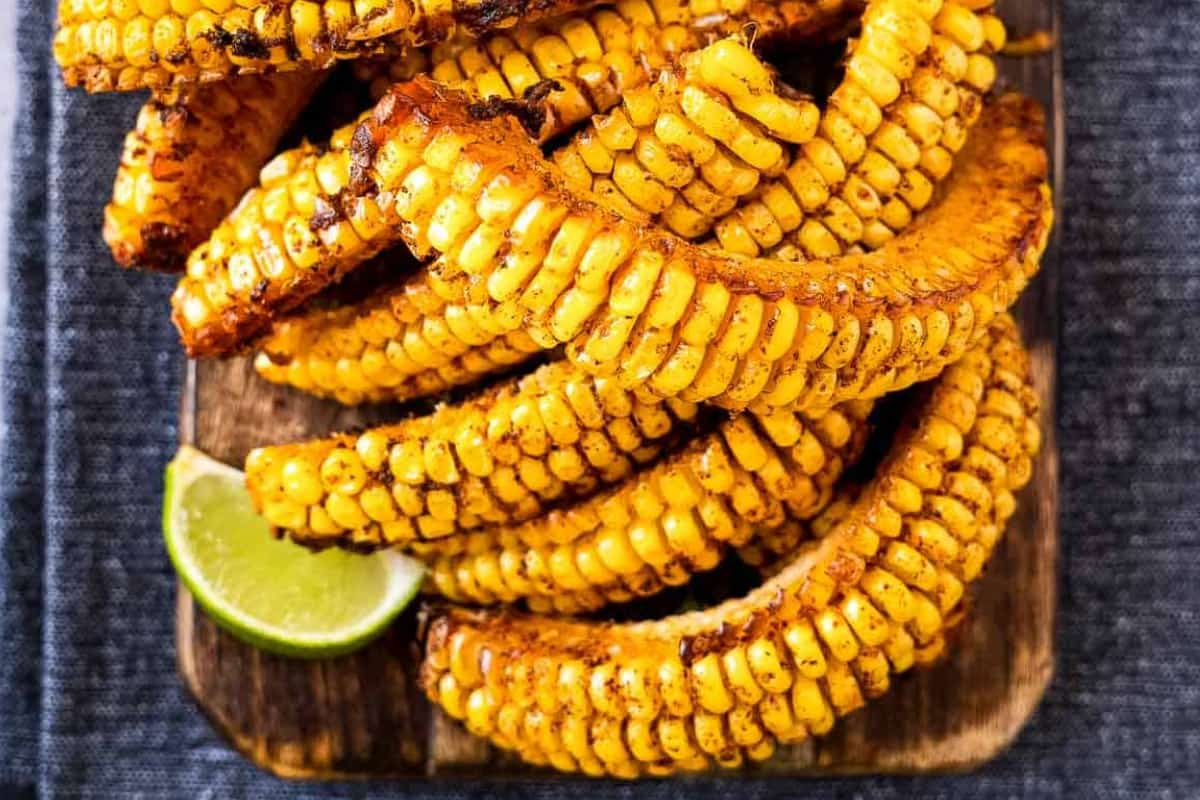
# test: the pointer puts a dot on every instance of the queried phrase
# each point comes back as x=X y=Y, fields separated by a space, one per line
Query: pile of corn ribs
x=687 y=284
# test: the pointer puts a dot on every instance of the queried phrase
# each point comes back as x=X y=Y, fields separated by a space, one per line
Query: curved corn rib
x=702 y=135
x=658 y=312
x=194 y=151
x=355 y=354
x=690 y=208
x=674 y=518
x=125 y=44
x=502 y=457
x=597 y=57
x=299 y=230
x=724 y=685
x=913 y=88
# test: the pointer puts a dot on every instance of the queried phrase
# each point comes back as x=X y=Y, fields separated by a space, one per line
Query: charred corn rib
x=596 y=57
x=688 y=146
x=299 y=230
x=672 y=519
x=193 y=153
x=123 y=44
x=724 y=685
x=625 y=298
x=499 y=458
x=686 y=322
x=914 y=85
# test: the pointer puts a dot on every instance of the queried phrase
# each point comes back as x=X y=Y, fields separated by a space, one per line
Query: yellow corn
x=654 y=311
x=594 y=57
x=913 y=87
x=749 y=477
x=722 y=685
x=195 y=149
x=714 y=126
x=295 y=233
x=501 y=457
x=125 y=45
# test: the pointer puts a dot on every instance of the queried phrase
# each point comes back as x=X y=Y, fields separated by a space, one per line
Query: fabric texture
x=90 y=705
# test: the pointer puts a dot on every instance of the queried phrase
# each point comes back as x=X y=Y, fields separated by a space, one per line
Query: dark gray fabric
x=89 y=702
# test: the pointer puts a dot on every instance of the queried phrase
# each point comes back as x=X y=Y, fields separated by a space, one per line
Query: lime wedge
x=271 y=592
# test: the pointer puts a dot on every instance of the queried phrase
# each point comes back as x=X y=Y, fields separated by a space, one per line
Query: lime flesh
x=267 y=591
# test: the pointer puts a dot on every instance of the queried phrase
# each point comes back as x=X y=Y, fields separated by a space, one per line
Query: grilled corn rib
x=194 y=151
x=914 y=86
x=123 y=44
x=499 y=458
x=725 y=684
x=686 y=147
x=594 y=57
x=674 y=518
x=657 y=311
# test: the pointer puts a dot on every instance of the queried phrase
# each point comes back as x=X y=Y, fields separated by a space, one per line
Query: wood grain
x=361 y=715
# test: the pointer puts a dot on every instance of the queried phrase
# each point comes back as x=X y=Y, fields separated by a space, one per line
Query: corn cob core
x=132 y=44
x=194 y=151
x=502 y=457
x=724 y=685
x=517 y=250
x=683 y=149
x=672 y=519
x=913 y=87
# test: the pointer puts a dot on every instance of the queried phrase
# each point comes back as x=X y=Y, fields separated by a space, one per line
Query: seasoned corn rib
x=625 y=298
x=194 y=151
x=298 y=231
x=123 y=44
x=887 y=138
x=597 y=56
x=724 y=685
x=702 y=135
x=349 y=354
x=501 y=457
x=674 y=518
x=684 y=321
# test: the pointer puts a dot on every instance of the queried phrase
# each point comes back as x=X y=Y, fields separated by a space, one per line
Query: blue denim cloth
x=90 y=705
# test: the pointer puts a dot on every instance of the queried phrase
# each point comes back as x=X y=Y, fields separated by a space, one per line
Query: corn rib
x=645 y=306
x=703 y=134
x=594 y=57
x=502 y=457
x=649 y=160
x=751 y=476
x=123 y=44
x=194 y=151
x=724 y=685
x=887 y=139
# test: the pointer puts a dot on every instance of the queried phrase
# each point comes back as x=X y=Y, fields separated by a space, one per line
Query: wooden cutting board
x=362 y=715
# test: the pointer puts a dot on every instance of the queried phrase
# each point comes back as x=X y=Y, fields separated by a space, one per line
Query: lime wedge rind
x=402 y=575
